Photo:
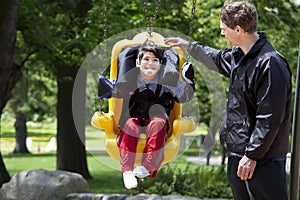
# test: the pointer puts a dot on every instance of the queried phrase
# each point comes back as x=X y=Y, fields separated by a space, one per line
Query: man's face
x=229 y=34
x=149 y=65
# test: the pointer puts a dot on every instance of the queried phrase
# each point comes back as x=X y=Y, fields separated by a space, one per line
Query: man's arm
x=212 y=58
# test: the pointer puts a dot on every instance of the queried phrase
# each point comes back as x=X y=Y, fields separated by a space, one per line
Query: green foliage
x=16 y=163
x=34 y=95
x=59 y=34
x=280 y=20
x=200 y=181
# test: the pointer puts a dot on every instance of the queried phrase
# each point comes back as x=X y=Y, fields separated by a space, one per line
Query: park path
x=215 y=160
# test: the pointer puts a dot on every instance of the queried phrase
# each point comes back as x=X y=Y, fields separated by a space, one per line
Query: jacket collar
x=239 y=54
x=142 y=84
x=259 y=43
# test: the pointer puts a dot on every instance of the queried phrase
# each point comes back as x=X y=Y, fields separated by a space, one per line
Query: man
x=256 y=125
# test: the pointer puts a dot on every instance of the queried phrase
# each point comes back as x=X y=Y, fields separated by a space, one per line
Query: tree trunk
x=21 y=133
x=9 y=73
x=4 y=175
x=71 y=153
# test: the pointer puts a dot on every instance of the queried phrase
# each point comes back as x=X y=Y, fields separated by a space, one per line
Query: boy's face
x=149 y=65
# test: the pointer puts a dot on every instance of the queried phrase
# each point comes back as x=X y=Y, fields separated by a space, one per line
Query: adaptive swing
x=123 y=52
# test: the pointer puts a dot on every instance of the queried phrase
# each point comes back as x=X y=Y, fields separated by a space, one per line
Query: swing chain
x=105 y=34
x=192 y=18
x=192 y=24
x=100 y=106
x=150 y=22
x=105 y=53
x=188 y=55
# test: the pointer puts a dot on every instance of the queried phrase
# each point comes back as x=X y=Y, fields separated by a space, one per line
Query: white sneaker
x=130 y=180
x=141 y=172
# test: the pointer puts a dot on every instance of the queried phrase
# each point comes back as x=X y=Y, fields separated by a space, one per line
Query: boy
x=147 y=104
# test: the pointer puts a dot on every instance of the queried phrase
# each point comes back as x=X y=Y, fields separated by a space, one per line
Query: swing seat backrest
x=109 y=121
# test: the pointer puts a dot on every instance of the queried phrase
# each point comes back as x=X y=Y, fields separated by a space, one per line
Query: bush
x=201 y=182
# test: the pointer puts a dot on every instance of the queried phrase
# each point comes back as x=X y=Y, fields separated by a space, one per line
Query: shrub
x=201 y=182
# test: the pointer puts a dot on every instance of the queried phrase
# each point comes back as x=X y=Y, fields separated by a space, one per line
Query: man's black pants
x=268 y=181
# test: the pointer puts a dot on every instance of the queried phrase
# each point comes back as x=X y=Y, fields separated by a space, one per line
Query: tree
x=9 y=72
x=33 y=97
x=18 y=105
x=59 y=43
x=71 y=154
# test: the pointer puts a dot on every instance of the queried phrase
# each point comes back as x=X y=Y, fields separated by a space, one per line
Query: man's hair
x=242 y=13
x=150 y=47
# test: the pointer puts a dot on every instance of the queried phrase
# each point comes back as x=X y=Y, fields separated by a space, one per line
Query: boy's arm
x=184 y=91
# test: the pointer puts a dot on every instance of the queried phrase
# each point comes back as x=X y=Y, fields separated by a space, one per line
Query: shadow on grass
x=18 y=155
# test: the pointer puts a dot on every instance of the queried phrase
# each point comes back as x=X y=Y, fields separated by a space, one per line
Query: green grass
x=105 y=171
x=105 y=179
x=16 y=163
x=40 y=135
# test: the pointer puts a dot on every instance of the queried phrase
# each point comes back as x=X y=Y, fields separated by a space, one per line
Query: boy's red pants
x=153 y=153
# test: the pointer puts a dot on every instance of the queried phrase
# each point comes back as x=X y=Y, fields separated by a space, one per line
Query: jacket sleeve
x=213 y=59
x=273 y=89
x=182 y=92
x=125 y=83
x=119 y=90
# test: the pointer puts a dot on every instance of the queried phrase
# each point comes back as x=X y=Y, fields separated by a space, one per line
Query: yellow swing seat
x=109 y=121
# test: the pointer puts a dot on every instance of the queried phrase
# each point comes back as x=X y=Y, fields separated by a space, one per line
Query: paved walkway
x=215 y=160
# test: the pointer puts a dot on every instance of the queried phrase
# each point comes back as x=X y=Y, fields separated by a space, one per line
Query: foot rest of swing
x=183 y=125
x=103 y=121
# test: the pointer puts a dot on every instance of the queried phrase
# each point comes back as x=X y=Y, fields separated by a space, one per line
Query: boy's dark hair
x=150 y=47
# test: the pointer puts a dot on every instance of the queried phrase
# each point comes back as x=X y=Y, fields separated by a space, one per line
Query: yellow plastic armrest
x=183 y=125
x=103 y=121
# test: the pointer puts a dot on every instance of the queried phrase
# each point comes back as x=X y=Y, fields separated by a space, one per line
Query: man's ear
x=239 y=29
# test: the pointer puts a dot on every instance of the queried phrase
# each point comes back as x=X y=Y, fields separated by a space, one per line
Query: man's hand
x=246 y=168
x=177 y=41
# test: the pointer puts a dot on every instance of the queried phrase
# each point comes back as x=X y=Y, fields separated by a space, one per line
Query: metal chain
x=150 y=22
x=188 y=55
x=192 y=18
x=105 y=33
x=105 y=54
x=191 y=24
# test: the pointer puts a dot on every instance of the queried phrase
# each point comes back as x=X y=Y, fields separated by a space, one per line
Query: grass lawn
x=105 y=172
x=105 y=179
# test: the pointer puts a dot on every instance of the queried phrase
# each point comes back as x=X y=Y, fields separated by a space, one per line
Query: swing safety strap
x=105 y=87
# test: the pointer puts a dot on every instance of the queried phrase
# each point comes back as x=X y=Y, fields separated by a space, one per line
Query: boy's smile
x=149 y=65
